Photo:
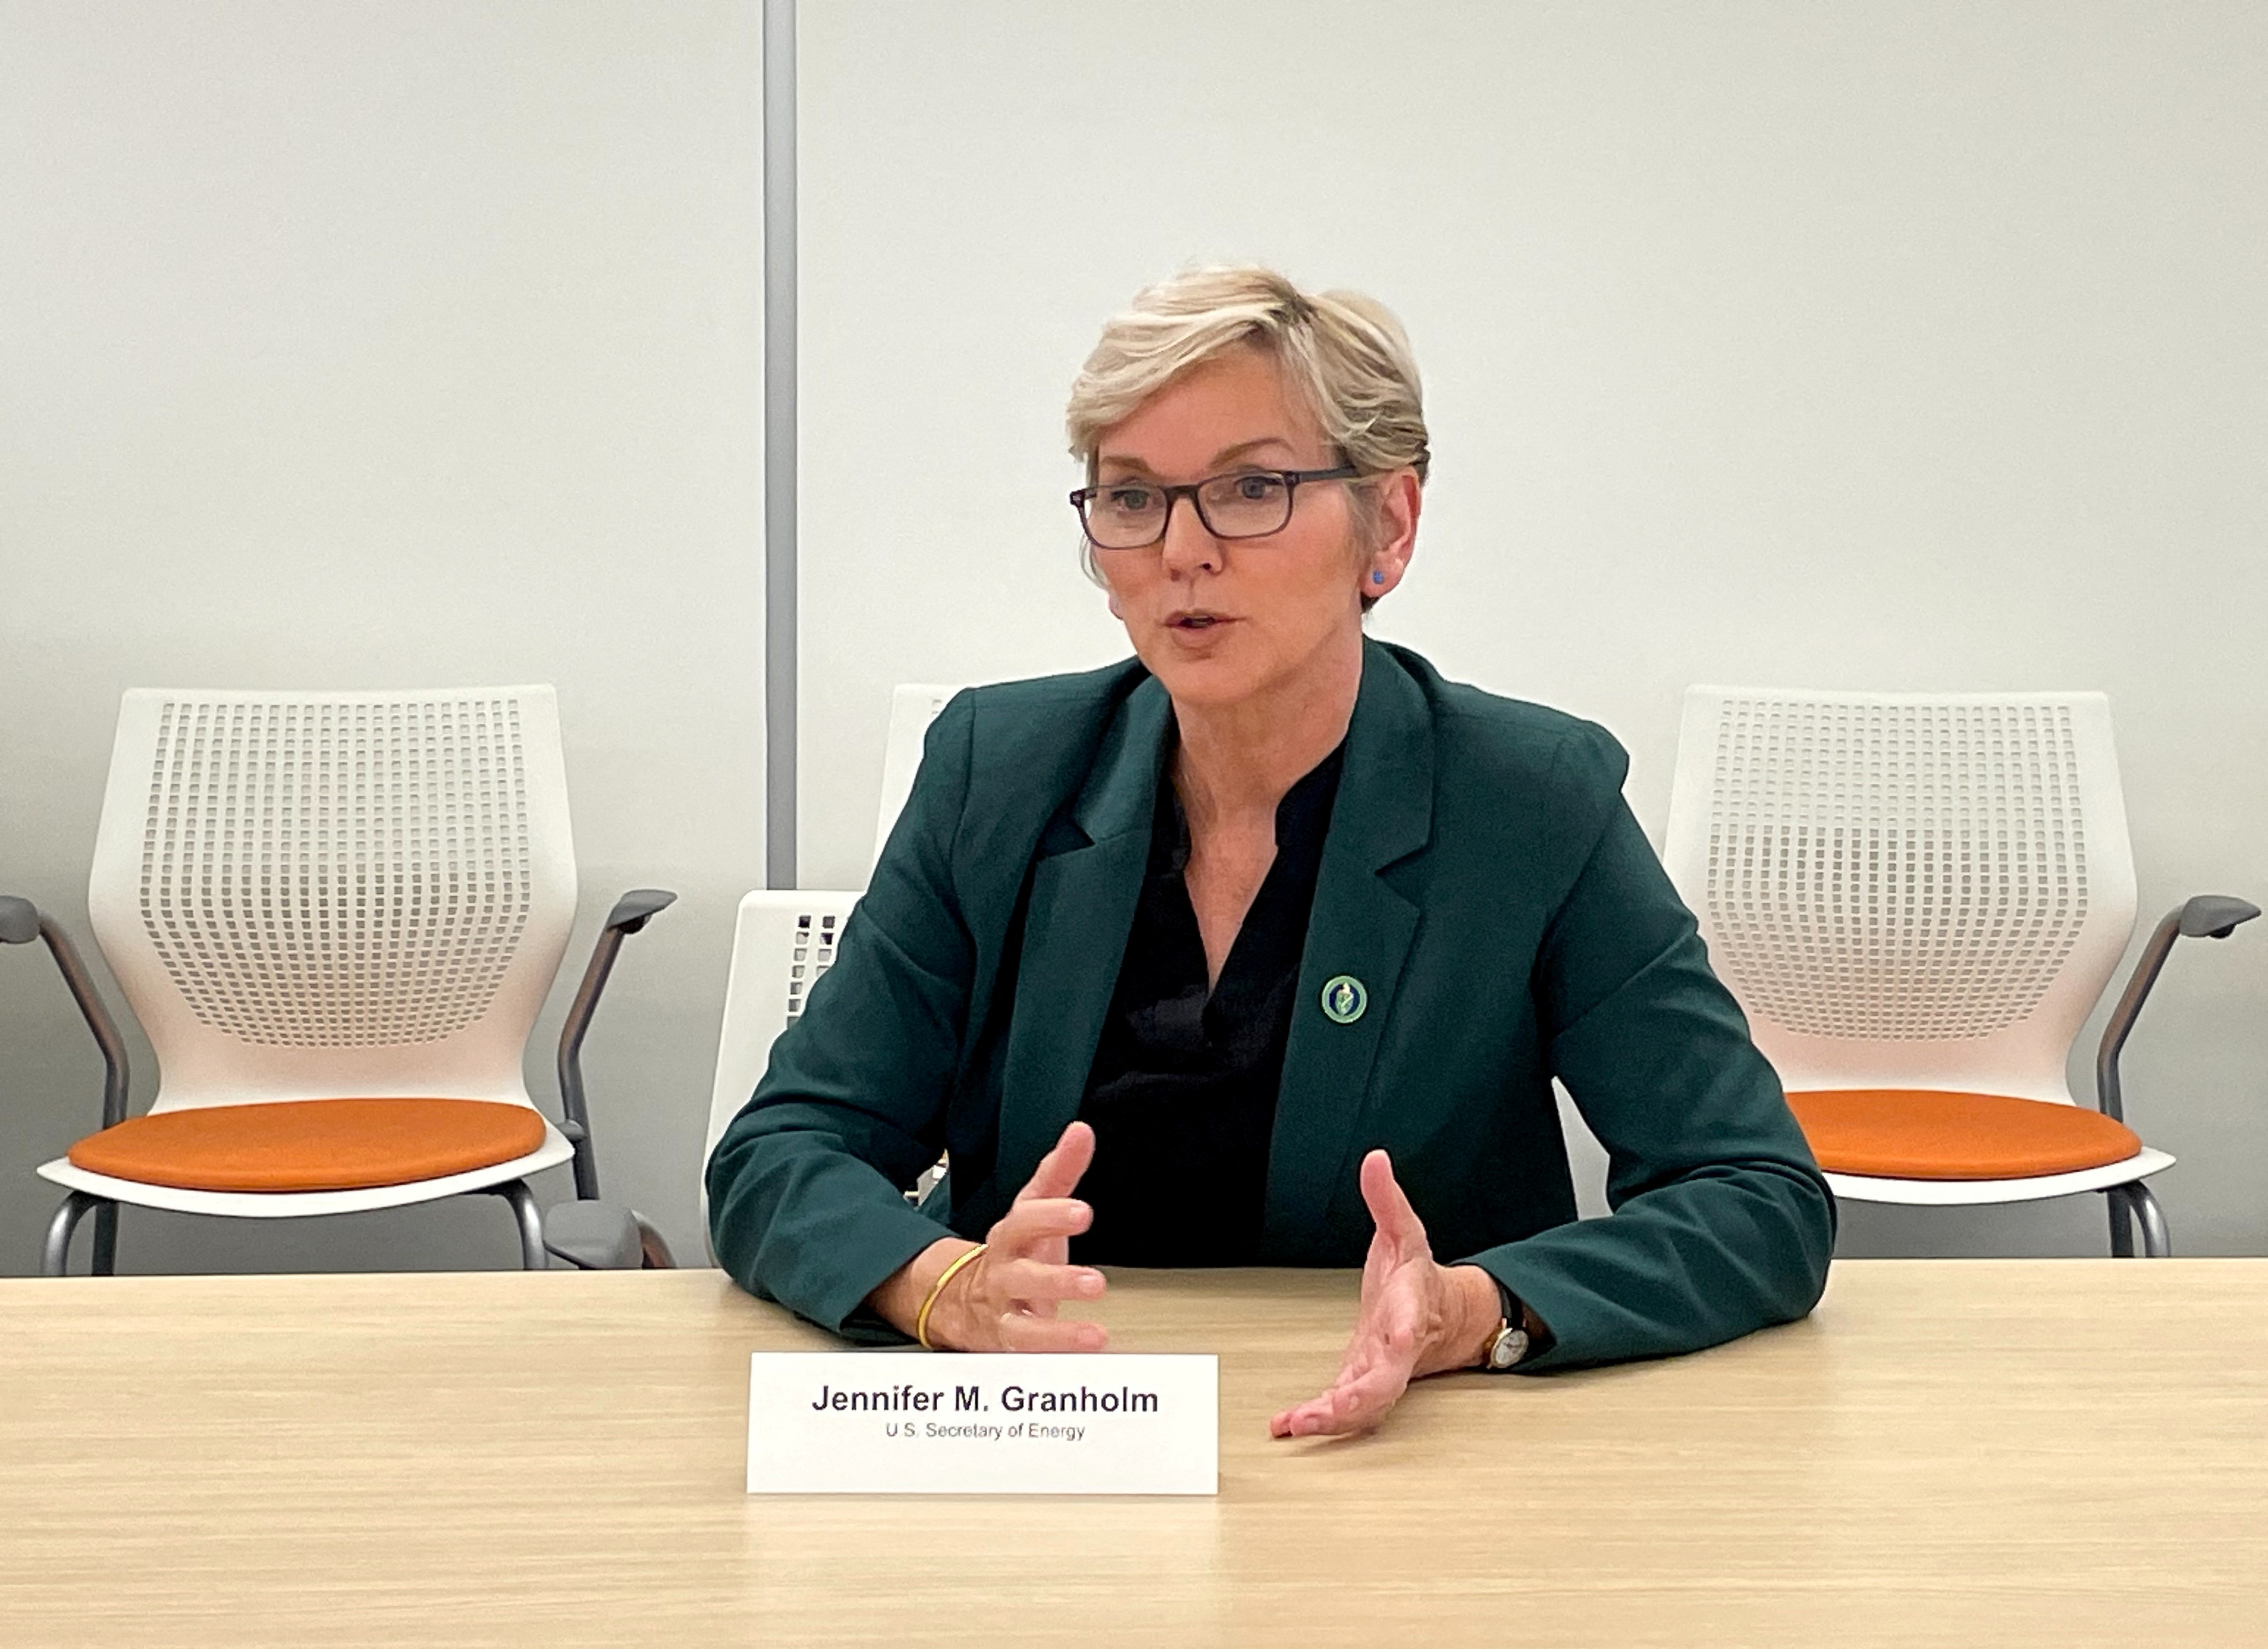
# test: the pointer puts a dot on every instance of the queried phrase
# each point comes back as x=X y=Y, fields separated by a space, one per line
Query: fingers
x=1390 y=1333
x=1007 y=1300
x=1311 y=1418
x=1022 y=1332
x=1061 y=1170
x=1040 y=1230
x=1010 y=1300
x=1050 y=1186
x=1033 y=1281
x=1357 y=1402
x=1390 y=1209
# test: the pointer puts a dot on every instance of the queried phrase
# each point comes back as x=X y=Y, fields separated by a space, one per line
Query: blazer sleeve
x=807 y=1202
x=1722 y=1223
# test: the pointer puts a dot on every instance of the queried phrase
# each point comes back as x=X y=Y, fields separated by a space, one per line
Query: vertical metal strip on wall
x=780 y=719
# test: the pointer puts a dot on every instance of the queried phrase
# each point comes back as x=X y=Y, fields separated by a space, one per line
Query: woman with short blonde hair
x=1265 y=945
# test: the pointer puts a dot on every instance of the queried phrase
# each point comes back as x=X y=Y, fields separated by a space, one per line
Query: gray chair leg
x=55 y=1252
x=532 y=1256
x=2157 y=1242
x=105 y=1239
x=2122 y=1224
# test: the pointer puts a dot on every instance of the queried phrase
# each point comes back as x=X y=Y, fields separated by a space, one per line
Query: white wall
x=1892 y=345
x=363 y=344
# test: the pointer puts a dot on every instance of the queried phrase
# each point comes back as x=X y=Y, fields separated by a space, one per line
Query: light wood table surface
x=1964 y=1453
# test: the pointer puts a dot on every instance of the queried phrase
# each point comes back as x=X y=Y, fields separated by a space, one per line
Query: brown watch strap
x=1517 y=1314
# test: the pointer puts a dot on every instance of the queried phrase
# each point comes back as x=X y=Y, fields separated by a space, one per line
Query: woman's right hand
x=1005 y=1299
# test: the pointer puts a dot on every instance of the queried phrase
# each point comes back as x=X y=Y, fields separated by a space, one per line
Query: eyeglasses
x=1247 y=503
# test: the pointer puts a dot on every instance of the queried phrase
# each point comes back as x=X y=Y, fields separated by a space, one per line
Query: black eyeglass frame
x=1292 y=480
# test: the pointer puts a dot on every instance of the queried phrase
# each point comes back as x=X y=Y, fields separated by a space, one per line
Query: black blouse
x=1182 y=1094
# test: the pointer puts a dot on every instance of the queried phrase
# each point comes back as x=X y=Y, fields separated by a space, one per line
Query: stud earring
x=1377 y=578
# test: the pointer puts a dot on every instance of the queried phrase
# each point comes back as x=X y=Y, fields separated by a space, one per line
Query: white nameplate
x=868 y=1422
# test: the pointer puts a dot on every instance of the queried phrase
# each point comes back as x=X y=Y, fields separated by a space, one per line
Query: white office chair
x=336 y=915
x=783 y=941
x=1918 y=898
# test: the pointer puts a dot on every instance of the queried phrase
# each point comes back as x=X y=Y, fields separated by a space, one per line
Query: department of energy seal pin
x=1344 y=999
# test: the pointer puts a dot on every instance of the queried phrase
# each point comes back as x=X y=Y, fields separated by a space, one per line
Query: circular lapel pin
x=1344 y=999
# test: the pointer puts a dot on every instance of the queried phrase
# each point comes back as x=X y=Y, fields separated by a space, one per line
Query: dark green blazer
x=1485 y=881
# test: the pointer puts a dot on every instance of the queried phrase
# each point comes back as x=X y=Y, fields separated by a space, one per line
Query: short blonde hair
x=1343 y=353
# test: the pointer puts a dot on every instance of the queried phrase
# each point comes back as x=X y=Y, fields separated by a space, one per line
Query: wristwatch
x=1510 y=1343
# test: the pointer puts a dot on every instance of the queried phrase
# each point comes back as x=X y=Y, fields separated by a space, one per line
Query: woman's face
x=1222 y=620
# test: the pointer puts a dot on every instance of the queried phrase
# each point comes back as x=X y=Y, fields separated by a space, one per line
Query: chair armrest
x=21 y=922
x=591 y=1236
x=604 y=1237
x=2213 y=916
x=631 y=912
x=639 y=906
x=2208 y=916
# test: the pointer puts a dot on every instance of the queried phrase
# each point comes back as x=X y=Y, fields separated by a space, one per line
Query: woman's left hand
x=1417 y=1319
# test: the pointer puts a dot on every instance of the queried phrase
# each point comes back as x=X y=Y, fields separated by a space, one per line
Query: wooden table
x=1960 y=1453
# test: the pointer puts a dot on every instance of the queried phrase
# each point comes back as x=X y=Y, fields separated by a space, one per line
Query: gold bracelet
x=921 y=1321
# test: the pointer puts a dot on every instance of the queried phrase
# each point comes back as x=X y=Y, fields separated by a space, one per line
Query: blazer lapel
x=1085 y=887
x=1360 y=929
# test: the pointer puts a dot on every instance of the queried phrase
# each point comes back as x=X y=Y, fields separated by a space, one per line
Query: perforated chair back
x=913 y=706
x=782 y=943
x=335 y=894
x=1906 y=890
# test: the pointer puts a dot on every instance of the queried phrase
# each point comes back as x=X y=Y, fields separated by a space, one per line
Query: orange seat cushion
x=311 y=1145
x=1919 y=1134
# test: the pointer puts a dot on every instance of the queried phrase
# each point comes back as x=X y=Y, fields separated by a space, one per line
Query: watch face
x=1508 y=1348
